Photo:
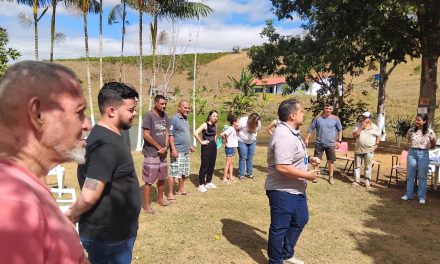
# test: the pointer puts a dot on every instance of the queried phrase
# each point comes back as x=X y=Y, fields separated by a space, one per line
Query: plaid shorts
x=179 y=166
x=155 y=168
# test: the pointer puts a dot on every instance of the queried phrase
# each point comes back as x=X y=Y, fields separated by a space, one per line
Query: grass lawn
x=230 y=224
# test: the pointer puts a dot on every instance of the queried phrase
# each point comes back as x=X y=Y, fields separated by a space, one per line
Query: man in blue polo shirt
x=328 y=127
x=180 y=144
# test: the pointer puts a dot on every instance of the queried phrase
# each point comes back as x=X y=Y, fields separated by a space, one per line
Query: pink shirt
x=32 y=227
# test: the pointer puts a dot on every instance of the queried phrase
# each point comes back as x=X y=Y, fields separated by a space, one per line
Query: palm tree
x=100 y=44
x=117 y=13
x=141 y=6
x=172 y=9
x=87 y=6
x=56 y=37
x=35 y=5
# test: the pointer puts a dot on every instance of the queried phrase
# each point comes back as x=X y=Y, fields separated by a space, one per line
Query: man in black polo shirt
x=110 y=201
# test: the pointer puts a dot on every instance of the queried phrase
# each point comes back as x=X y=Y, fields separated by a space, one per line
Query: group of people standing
x=44 y=104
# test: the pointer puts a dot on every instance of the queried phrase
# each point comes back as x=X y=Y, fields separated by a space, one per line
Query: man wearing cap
x=328 y=127
x=367 y=136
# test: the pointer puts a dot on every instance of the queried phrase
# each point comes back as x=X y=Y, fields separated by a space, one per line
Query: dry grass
x=230 y=224
x=347 y=225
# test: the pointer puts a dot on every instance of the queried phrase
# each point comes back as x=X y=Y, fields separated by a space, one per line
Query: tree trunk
x=428 y=84
x=141 y=78
x=381 y=98
x=153 y=31
x=101 y=82
x=89 y=81
x=35 y=11
x=52 y=28
x=124 y=14
x=194 y=83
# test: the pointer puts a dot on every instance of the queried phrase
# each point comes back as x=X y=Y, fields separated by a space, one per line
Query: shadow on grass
x=399 y=231
x=246 y=237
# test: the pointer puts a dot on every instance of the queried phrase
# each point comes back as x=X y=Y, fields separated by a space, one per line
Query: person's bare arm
x=270 y=127
x=148 y=138
x=197 y=132
x=357 y=132
x=90 y=194
x=291 y=171
x=174 y=152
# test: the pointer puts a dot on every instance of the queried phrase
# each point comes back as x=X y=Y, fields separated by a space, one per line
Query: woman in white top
x=247 y=137
x=421 y=139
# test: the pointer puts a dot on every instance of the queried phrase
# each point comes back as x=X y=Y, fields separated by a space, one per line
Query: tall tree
x=36 y=4
x=87 y=6
x=6 y=54
x=140 y=6
x=56 y=37
x=101 y=83
x=118 y=14
x=170 y=9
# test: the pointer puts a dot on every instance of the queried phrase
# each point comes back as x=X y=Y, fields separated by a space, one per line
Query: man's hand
x=174 y=153
x=162 y=151
x=315 y=161
x=205 y=142
x=191 y=149
x=312 y=175
x=306 y=141
x=375 y=147
x=73 y=218
x=338 y=144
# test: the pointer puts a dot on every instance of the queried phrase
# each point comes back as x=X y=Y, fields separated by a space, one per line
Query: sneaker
x=355 y=184
x=241 y=177
x=202 y=188
x=293 y=260
x=405 y=198
x=331 y=180
x=250 y=176
x=422 y=201
x=211 y=186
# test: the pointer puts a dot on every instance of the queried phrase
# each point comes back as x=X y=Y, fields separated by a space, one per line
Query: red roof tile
x=269 y=81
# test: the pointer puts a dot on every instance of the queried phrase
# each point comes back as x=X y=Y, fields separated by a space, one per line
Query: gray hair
x=22 y=80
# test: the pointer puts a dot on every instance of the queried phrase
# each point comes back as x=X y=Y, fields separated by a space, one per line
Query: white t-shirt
x=243 y=134
x=231 y=135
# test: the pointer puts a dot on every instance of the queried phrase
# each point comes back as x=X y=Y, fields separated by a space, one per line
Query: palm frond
x=25 y=21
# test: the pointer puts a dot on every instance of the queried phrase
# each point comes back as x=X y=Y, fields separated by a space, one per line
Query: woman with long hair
x=421 y=139
x=247 y=142
x=208 y=151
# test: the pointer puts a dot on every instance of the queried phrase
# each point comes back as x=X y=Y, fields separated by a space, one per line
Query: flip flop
x=184 y=193
x=173 y=200
x=150 y=211
x=164 y=203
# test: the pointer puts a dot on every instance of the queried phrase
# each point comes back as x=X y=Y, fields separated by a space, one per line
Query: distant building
x=276 y=85
x=273 y=85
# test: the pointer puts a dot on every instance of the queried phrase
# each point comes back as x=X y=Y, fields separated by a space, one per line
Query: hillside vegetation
x=214 y=69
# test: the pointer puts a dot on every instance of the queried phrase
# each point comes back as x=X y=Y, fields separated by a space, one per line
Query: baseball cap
x=366 y=114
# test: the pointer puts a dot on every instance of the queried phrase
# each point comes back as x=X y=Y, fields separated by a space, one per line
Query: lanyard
x=306 y=158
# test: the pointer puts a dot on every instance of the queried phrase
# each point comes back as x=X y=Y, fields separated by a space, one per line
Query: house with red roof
x=273 y=85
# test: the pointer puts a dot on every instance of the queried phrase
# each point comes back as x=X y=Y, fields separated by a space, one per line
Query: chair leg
x=377 y=175
x=345 y=168
x=351 y=167
x=391 y=175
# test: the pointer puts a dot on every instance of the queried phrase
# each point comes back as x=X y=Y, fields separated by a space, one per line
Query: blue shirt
x=179 y=129
x=327 y=129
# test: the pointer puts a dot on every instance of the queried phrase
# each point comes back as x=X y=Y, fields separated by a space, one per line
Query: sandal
x=164 y=203
x=150 y=211
x=184 y=193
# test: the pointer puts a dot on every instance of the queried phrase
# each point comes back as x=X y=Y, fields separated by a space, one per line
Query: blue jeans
x=417 y=163
x=114 y=252
x=246 y=154
x=288 y=216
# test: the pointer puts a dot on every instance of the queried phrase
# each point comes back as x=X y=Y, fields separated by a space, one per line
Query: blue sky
x=233 y=23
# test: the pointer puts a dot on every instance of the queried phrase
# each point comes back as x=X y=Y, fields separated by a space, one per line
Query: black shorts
x=329 y=152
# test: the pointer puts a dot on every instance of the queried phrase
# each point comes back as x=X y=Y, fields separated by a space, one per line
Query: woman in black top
x=208 y=151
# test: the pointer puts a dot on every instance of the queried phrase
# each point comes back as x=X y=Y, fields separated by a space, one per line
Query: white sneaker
x=293 y=260
x=202 y=188
x=405 y=198
x=422 y=201
x=211 y=186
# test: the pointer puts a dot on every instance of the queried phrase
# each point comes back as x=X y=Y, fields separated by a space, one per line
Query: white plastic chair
x=59 y=172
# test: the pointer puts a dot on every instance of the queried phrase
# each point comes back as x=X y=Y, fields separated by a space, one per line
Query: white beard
x=77 y=154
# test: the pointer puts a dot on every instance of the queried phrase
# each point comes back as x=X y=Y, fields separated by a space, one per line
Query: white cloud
x=215 y=34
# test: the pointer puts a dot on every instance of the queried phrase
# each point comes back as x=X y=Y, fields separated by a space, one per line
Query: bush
x=401 y=125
